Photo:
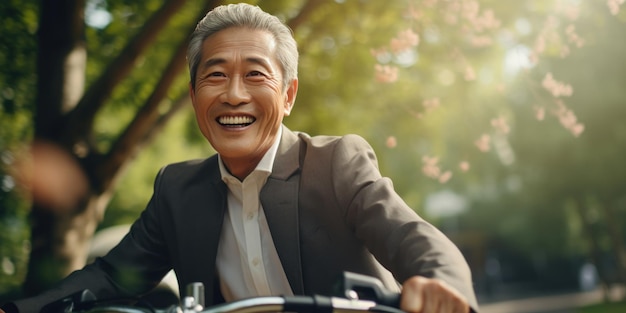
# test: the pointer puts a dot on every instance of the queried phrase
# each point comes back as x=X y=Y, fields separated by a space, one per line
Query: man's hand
x=426 y=295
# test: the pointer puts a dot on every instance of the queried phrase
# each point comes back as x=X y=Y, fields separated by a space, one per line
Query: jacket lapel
x=205 y=219
x=279 y=198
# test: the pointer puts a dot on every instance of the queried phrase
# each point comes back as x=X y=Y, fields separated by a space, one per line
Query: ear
x=290 y=96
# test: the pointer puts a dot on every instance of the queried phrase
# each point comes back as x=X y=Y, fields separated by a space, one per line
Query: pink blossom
x=443 y=178
x=429 y=3
x=405 y=40
x=481 y=41
x=568 y=119
x=540 y=113
x=547 y=34
x=573 y=37
x=430 y=167
x=391 y=142
x=556 y=88
x=464 y=166
x=386 y=73
x=577 y=129
x=470 y=9
x=486 y=21
x=378 y=52
x=483 y=142
x=430 y=160
x=501 y=125
x=414 y=14
x=614 y=6
x=570 y=11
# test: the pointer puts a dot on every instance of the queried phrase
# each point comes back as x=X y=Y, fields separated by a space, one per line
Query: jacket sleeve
x=394 y=233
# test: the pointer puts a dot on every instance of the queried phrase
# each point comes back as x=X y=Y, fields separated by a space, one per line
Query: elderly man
x=274 y=212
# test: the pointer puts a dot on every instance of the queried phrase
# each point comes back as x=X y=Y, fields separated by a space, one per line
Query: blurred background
x=501 y=122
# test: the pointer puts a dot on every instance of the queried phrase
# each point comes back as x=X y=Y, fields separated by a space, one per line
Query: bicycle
x=353 y=293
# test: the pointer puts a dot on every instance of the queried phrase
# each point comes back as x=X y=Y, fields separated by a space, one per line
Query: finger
x=460 y=306
x=447 y=305
x=438 y=297
x=412 y=296
x=433 y=297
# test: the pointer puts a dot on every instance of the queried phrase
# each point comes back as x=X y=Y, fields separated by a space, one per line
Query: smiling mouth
x=235 y=121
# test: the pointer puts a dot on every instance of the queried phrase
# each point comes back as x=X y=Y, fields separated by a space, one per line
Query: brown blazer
x=328 y=208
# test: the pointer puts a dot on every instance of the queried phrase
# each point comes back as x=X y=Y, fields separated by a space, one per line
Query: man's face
x=239 y=99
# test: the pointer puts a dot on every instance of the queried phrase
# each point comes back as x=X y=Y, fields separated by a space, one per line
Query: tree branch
x=305 y=11
x=79 y=121
x=145 y=123
x=60 y=62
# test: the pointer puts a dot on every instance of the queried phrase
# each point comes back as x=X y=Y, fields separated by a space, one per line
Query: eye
x=256 y=75
x=215 y=76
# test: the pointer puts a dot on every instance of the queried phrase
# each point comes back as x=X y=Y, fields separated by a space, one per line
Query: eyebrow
x=215 y=61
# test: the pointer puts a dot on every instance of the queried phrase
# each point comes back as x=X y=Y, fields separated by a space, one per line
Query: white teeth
x=235 y=120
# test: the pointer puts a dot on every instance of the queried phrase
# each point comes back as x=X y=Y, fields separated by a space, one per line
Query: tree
x=64 y=128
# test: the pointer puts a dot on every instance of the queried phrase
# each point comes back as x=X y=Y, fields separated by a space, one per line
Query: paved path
x=564 y=303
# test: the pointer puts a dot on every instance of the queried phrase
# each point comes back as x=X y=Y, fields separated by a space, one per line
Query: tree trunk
x=67 y=201
x=70 y=188
x=616 y=239
x=60 y=243
x=61 y=63
x=595 y=255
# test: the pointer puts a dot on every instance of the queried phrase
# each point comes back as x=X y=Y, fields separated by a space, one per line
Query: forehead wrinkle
x=264 y=42
x=213 y=61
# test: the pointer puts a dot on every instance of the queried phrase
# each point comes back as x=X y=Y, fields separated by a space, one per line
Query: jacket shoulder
x=321 y=141
x=190 y=170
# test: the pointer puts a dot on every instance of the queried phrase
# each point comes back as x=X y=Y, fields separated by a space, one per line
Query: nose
x=236 y=92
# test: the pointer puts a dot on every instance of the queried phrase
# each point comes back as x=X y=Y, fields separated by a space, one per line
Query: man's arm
x=415 y=251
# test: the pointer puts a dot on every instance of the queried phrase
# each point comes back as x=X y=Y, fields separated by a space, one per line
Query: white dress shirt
x=247 y=261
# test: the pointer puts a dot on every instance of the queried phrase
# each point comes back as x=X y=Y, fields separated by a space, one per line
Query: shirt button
x=255 y=261
x=250 y=216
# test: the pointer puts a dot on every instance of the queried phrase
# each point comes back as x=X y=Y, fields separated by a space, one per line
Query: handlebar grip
x=365 y=287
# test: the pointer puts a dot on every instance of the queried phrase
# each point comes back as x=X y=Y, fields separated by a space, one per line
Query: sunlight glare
x=516 y=59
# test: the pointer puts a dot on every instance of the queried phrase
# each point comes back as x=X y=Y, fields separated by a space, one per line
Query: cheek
x=203 y=102
x=199 y=112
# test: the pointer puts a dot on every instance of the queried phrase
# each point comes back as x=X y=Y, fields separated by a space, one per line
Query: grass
x=612 y=307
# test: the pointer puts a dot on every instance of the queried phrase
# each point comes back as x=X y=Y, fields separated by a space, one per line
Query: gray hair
x=245 y=15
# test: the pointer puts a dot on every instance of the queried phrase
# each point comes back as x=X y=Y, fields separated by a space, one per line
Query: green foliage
x=17 y=82
x=611 y=307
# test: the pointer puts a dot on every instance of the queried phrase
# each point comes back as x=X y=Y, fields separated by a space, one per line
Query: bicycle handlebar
x=357 y=293
x=303 y=304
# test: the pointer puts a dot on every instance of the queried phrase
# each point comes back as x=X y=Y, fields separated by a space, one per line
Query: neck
x=240 y=168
